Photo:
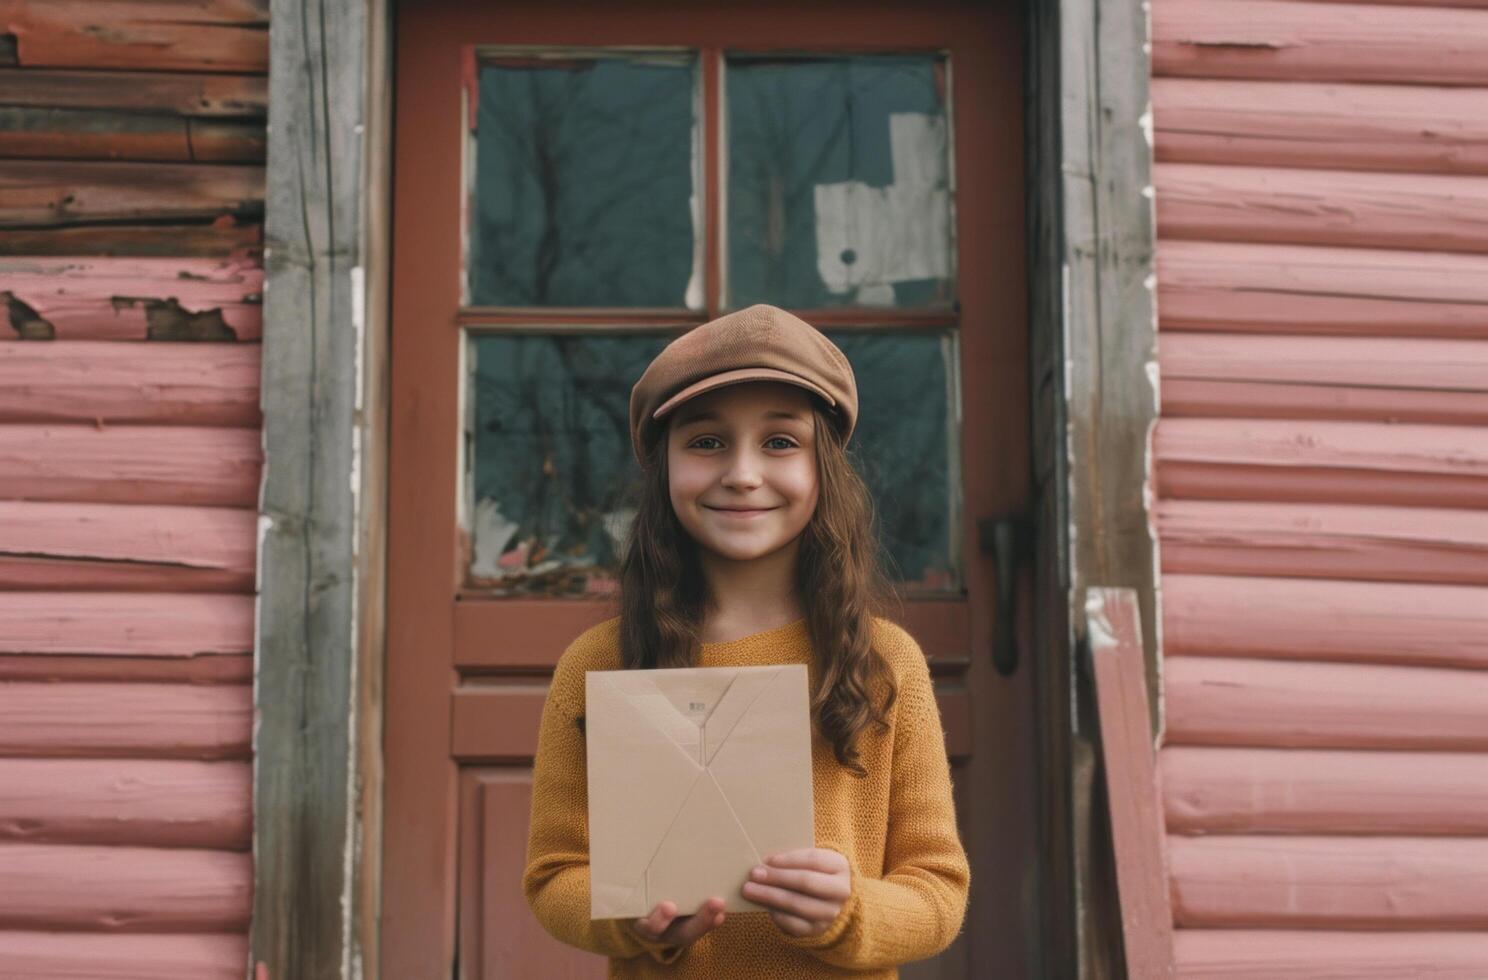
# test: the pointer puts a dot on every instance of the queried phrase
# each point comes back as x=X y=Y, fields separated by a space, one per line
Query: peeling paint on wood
x=200 y=35
x=46 y=193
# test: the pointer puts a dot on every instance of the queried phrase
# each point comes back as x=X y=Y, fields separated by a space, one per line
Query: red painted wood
x=144 y=464
x=1274 y=703
x=126 y=547
x=52 y=193
x=123 y=889
x=160 y=382
x=1319 y=41
x=1431 y=212
x=1334 y=541
x=213 y=669
x=37 y=955
x=1333 y=791
x=152 y=624
x=1332 y=882
x=1412 y=128
x=1301 y=289
x=1134 y=805
x=226 y=238
x=202 y=35
x=187 y=94
x=136 y=299
x=1297 y=954
x=142 y=721
x=1326 y=462
x=1192 y=398
x=135 y=802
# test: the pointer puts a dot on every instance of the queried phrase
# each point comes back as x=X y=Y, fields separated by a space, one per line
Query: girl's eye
x=789 y=444
x=701 y=439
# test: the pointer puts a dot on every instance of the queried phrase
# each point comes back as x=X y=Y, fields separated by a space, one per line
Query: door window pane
x=839 y=182
x=584 y=181
x=550 y=467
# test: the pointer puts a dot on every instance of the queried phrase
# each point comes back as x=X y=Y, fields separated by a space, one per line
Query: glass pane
x=584 y=176
x=839 y=182
x=551 y=467
x=906 y=445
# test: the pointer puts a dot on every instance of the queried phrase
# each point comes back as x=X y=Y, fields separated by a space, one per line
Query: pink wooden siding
x=1321 y=184
x=130 y=454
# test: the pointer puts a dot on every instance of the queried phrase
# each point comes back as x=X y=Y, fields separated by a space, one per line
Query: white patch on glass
x=868 y=238
x=493 y=532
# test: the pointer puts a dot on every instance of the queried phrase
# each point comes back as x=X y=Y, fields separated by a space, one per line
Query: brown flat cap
x=758 y=343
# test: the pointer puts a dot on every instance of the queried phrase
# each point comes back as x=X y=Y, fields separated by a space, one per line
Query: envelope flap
x=740 y=697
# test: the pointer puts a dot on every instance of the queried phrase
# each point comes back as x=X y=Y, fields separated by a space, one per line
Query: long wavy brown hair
x=839 y=578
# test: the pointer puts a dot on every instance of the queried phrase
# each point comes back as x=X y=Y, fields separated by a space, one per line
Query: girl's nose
x=743 y=469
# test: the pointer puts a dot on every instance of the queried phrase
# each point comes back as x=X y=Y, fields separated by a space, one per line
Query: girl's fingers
x=653 y=925
x=795 y=903
x=814 y=883
x=793 y=925
x=820 y=859
x=695 y=926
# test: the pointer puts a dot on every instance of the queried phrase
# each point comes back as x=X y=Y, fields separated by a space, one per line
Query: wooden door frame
x=319 y=646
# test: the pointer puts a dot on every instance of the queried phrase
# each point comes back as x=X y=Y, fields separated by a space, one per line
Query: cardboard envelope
x=695 y=776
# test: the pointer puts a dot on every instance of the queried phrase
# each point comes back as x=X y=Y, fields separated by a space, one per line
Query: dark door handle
x=1006 y=539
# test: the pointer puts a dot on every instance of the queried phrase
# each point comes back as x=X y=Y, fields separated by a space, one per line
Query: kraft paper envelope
x=696 y=774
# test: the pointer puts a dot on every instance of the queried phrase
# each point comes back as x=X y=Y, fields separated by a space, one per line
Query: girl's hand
x=664 y=925
x=804 y=890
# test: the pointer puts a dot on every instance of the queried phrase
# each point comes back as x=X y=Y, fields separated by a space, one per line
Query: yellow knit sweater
x=896 y=826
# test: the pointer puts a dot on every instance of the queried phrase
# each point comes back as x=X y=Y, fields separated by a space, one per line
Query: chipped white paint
x=1102 y=635
x=1145 y=121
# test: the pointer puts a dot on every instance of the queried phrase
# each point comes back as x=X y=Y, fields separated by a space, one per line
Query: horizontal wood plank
x=185 y=299
x=1322 y=461
x=1409 y=545
x=123 y=889
x=206 y=669
x=143 y=721
x=177 y=803
x=1329 y=882
x=49 y=193
x=1319 y=41
x=206 y=35
x=162 y=382
x=1336 y=791
x=40 y=955
x=1425 y=212
x=1192 y=398
x=194 y=94
x=499 y=722
x=109 y=134
x=1302 y=954
x=1304 y=289
x=1284 y=704
x=158 y=624
x=144 y=464
x=126 y=547
x=226 y=237
x=1407 y=128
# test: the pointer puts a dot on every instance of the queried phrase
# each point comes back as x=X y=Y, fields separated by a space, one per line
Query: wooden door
x=571 y=190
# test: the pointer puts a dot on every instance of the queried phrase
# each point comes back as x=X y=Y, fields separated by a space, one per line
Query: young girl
x=753 y=544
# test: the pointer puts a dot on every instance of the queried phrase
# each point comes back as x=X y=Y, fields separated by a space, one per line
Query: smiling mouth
x=737 y=512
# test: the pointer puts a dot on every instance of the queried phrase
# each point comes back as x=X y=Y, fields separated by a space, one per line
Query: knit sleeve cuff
x=837 y=928
x=661 y=952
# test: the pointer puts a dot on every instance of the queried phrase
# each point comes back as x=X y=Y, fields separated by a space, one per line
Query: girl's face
x=741 y=460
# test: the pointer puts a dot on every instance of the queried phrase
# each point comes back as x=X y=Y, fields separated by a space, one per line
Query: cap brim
x=735 y=377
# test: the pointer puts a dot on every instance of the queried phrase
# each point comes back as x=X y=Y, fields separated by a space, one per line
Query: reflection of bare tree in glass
x=604 y=145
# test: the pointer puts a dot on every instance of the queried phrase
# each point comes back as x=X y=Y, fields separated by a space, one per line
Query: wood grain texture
x=1131 y=783
x=1320 y=42
x=197 y=35
x=212 y=669
x=1304 y=882
x=1283 y=704
x=1408 y=128
x=143 y=464
x=126 y=802
x=225 y=237
x=194 y=94
x=102 y=134
x=1327 y=541
x=1243 y=286
x=186 y=299
x=48 y=193
x=1422 y=212
x=1322 y=461
x=160 y=624
x=1335 y=791
x=141 y=721
x=158 y=383
x=126 y=548
x=123 y=889
x=1302 y=954
x=39 y=955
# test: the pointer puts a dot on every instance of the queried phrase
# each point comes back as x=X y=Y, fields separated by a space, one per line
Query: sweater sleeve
x=915 y=909
x=556 y=879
